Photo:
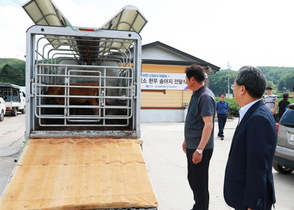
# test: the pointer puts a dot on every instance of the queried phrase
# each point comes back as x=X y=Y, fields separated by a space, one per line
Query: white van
x=15 y=100
x=2 y=109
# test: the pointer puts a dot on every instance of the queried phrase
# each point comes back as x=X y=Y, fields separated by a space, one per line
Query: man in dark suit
x=249 y=181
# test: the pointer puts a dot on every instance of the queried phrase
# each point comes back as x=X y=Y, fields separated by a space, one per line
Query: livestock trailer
x=83 y=123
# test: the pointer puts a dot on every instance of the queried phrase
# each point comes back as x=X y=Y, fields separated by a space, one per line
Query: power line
x=17 y=2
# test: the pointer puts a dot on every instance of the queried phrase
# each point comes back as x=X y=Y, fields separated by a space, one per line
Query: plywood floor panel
x=80 y=173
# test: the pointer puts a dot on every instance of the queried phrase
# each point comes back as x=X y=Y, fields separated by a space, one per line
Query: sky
x=226 y=33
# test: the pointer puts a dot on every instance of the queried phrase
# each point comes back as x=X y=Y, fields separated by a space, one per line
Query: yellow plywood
x=163 y=68
x=80 y=173
x=187 y=96
x=171 y=98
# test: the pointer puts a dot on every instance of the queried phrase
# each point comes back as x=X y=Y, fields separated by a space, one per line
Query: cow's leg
x=94 y=102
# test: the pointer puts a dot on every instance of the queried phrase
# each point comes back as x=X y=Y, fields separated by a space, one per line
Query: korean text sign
x=163 y=81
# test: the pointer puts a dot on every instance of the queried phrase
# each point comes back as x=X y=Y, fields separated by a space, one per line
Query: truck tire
x=1 y=116
x=23 y=111
x=13 y=112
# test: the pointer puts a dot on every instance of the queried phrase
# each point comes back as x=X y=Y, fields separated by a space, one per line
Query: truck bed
x=80 y=173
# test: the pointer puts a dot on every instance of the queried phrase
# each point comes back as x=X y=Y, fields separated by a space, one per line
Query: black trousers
x=222 y=119
x=198 y=178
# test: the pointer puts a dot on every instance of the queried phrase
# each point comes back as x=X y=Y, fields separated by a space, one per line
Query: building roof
x=163 y=54
x=8 y=85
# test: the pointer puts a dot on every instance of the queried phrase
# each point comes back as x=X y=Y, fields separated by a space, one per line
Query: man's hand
x=184 y=147
x=196 y=158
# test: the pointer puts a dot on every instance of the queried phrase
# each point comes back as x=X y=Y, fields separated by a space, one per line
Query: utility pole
x=228 y=75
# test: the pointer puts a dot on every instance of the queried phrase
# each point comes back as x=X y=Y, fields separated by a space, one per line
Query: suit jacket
x=248 y=177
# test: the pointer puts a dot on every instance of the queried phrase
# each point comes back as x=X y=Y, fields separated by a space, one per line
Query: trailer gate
x=81 y=81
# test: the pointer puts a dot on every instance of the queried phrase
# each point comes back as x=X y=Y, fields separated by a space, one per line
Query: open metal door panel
x=44 y=12
x=129 y=18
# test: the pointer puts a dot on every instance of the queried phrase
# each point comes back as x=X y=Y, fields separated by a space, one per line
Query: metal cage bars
x=45 y=80
x=110 y=46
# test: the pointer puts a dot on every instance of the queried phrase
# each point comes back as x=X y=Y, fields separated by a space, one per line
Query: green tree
x=277 y=78
x=275 y=74
x=271 y=84
x=286 y=83
x=219 y=82
x=17 y=65
x=12 y=75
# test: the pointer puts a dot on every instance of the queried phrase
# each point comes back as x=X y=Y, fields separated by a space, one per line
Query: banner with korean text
x=163 y=81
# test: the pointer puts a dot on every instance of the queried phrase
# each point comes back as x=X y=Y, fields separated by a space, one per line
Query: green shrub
x=233 y=106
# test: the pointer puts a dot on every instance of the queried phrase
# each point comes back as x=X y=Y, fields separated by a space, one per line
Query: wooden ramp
x=80 y=173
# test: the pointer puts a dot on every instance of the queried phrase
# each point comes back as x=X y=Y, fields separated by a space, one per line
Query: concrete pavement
x=166 y=163
x=11 y=144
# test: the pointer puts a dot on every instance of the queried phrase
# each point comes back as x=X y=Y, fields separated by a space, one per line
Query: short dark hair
x=253 y=79
x=195 y=71
x=285 y=95
x=222 y=94
x=268 y=88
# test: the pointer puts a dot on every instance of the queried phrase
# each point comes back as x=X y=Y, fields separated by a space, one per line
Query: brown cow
x=77 y=92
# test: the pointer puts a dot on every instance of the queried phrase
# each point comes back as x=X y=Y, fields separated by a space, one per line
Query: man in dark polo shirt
x=198 y=143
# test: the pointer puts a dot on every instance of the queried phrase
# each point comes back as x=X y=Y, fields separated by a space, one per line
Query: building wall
x=172 y=99
x=160 y=99
x=164 y=105
x=158 y=52
x=163 y=68
x=162 y=115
